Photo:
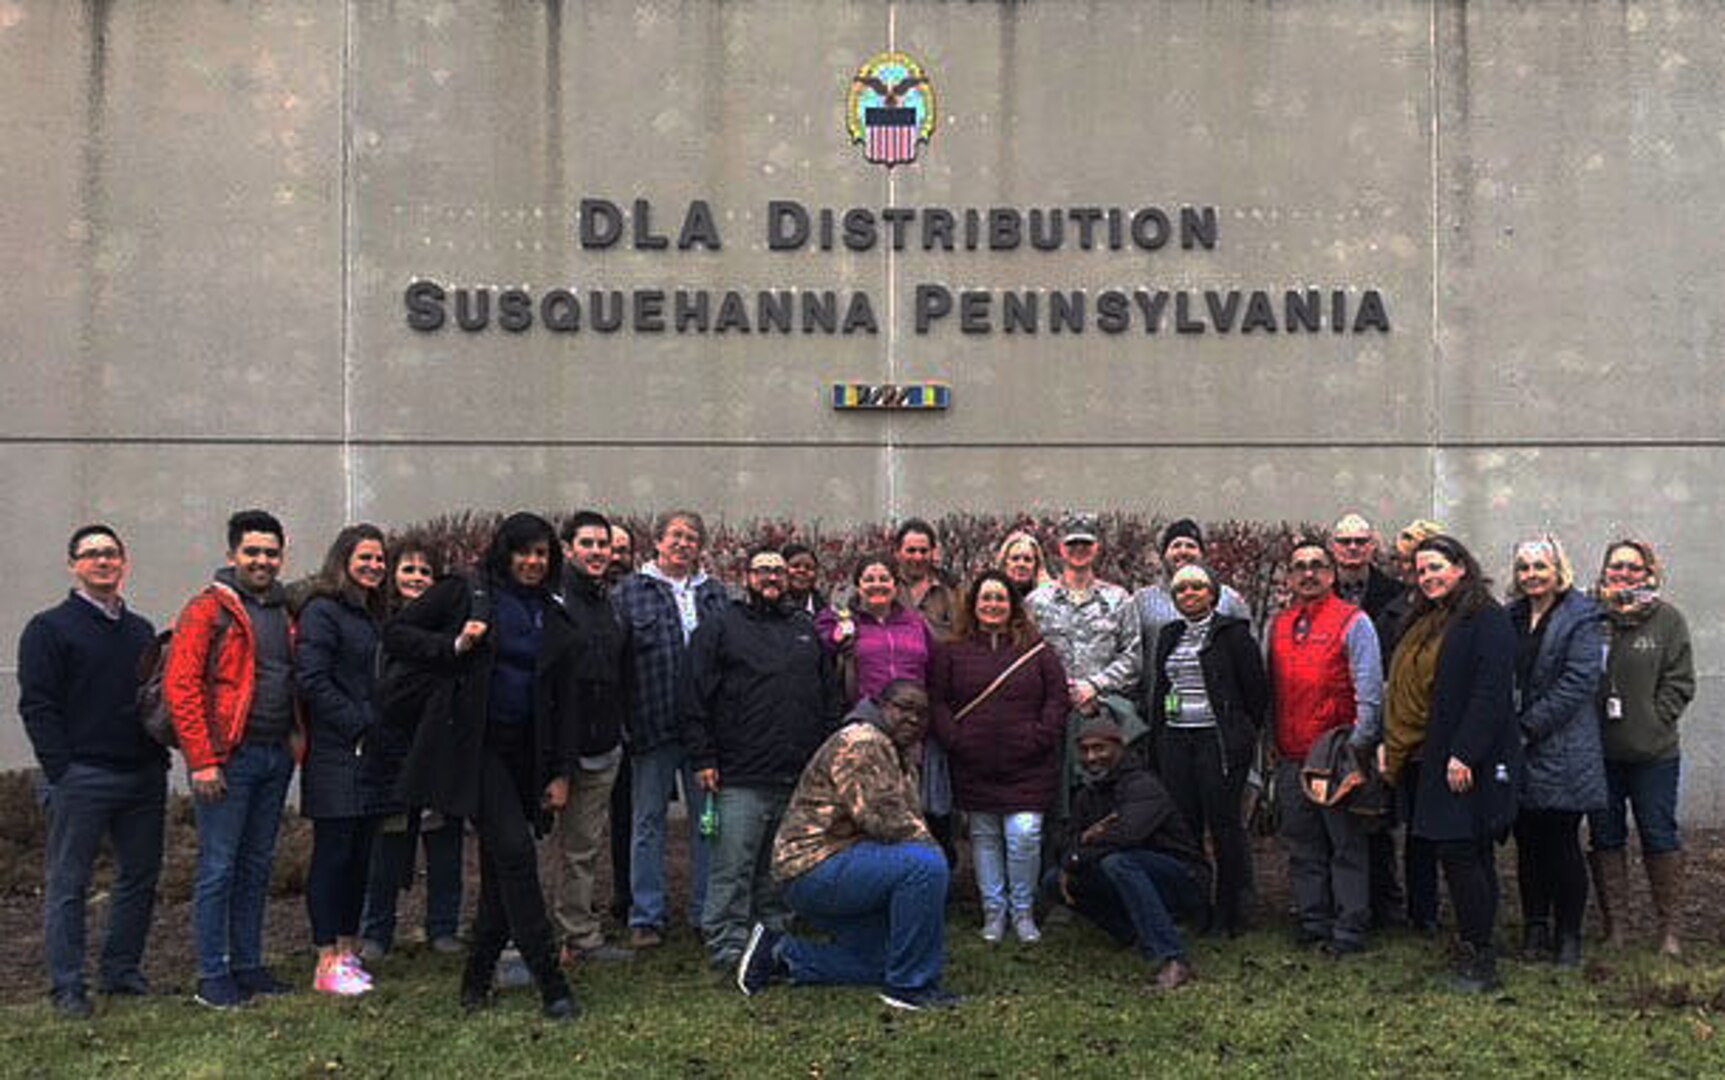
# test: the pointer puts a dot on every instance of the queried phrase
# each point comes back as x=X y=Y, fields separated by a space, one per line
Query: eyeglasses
x=1075 y=542
x=259 y=552
x=1352 y=541
x=1627 y=567
x=110 y=553
x=1309 y=566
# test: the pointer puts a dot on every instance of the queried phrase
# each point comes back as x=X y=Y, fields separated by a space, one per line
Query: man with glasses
x=763 y=696
x=1325 y=674
x=856 y=861
x=1354 y=546
x=77 y=682
x=229 y=688
x=659 y=607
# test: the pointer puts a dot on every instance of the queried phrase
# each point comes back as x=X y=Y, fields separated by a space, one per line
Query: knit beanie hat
x=1101 y=727
x=1184 y=527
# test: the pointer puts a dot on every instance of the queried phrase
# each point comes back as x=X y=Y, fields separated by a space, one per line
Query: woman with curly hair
x=998 y=698
x=1451 y=694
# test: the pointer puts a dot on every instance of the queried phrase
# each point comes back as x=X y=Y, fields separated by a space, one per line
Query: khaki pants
x=579 y=837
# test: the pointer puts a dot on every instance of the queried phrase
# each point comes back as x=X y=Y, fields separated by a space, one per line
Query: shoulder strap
x=1000 y=679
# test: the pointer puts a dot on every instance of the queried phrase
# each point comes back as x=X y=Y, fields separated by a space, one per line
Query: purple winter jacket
x=1005 y=754
x=897 y=647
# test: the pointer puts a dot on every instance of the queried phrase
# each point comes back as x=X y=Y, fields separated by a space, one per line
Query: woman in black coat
x=414 y=565
x=337 y=658
x=1207 y=704
x=497 y=741
x=1453 y=675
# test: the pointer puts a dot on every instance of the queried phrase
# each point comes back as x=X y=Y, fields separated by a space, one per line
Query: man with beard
x=919 y=582
x=229 y=688
x=762 y=696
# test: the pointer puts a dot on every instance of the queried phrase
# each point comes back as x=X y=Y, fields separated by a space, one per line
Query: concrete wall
x=211 y=211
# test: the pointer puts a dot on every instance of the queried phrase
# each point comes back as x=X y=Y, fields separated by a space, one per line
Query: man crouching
x=856 y=860
x=1131 y=864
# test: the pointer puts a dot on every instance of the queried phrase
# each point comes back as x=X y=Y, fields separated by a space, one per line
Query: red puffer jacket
x=210 y=700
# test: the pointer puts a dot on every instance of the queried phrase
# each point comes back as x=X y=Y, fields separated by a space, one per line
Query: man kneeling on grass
x=856 y=859
x=1131 y=864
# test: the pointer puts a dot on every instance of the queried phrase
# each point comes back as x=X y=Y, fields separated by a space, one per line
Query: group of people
x=1097 y=747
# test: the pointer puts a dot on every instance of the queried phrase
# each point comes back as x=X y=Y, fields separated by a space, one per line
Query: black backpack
x=153 y=665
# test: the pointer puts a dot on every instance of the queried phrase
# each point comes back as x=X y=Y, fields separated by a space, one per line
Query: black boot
x=480 y=968
x=476 y=981
x=1536 y=941
x=1569 y=948
x=556 y=999
x=1476 y=970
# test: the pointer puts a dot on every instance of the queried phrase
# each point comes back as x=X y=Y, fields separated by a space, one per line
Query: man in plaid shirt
x=659 y=607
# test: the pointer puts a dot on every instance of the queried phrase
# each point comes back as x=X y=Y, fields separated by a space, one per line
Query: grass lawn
x=1075 y=1005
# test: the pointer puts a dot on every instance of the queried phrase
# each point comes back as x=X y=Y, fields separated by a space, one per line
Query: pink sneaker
x=334 y=977
x=351 y=962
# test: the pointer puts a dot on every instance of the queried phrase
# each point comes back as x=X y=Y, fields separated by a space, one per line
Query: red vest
x=1309 y=668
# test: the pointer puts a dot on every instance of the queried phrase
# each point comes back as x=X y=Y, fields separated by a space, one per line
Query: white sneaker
x=1024 y=926
x=994 y=927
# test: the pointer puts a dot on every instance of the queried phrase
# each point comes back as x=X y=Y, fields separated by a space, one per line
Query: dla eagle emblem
x=891 y=110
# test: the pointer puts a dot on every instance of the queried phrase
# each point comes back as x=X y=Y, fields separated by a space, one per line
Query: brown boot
x=1665 y=876
x=1174 y=974
x=1611 y=890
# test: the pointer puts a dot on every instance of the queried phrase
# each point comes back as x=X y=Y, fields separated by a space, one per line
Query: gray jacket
x=1558 y=709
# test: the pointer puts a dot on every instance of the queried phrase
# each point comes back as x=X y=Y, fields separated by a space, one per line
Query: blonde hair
x=1559 y=560
x=1413 y=532
x=1022 y=536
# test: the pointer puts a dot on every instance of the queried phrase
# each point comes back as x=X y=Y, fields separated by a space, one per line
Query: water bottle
x=709 y=819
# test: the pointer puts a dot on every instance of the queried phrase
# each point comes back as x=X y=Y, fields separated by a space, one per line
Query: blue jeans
x=1136 y=895
x=652 y=778
x=236 y=851
x=87 y=804
x=1650 y=789
x=885 y=907
x=740 y=887
x=392 y=871
x=1007 y=850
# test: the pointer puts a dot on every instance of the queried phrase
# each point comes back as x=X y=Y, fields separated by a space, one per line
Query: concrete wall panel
x=1580 y=276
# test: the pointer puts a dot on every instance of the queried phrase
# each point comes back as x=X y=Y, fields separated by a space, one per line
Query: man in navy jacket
x=78 y=683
